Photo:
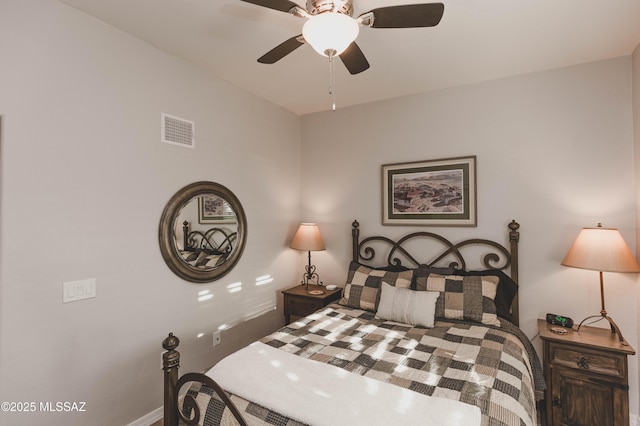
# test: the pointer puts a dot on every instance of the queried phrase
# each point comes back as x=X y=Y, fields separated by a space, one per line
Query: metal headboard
x=495 y=256
x=206 y=241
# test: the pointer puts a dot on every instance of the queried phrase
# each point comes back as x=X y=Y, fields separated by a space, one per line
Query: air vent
x=178 y=131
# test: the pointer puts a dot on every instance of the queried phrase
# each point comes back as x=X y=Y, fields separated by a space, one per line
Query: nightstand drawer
x=298 y=302
x=302 y=307
x=599 y=362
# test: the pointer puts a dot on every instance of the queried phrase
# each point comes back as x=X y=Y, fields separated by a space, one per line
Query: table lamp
x=602 y=249
x=308 y=238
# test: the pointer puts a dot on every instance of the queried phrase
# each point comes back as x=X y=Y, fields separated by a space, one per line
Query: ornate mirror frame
x=167 y=237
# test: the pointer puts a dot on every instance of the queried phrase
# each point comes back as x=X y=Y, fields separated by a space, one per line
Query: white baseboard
x=151 y=418
x=634 y=420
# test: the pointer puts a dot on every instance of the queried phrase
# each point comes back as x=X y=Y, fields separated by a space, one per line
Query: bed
x=419 y=337
x=206 y=249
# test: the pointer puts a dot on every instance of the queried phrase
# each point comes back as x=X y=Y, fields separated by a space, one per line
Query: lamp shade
x=307 y=238
x=601 y=249
x=330 y=33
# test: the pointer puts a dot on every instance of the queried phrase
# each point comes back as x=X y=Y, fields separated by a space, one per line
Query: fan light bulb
x=330 y=33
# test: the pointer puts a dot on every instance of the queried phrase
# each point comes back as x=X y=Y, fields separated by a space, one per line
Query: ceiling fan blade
x=281 y=50
x=281 y=5
x=354 y=59
x=407 y=16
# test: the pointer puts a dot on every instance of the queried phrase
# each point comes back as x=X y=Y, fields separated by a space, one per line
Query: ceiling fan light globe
x=330 y=33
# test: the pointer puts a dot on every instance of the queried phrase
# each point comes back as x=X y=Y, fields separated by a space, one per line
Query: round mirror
x=202 y=232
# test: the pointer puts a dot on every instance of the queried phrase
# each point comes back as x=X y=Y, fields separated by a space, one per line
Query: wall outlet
x=216 y=338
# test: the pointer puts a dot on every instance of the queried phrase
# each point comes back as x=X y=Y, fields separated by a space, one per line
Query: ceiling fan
x=331 y=29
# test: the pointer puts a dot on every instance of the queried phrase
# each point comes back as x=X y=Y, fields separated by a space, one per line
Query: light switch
x=78 y=290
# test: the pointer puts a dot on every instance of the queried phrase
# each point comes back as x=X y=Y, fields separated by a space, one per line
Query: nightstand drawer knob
x=582 y=363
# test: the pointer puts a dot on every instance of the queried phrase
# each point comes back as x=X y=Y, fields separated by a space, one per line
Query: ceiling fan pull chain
x=332 y=83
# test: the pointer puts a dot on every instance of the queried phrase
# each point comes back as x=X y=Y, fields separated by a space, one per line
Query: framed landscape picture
x=214 y=209
x=433 y=192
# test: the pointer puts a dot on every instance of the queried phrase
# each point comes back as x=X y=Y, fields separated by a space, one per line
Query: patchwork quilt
x=492 y=367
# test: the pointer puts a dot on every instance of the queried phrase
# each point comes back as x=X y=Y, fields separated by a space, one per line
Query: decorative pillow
x=202 y=260
x=421 y=273
x=362 y=290
x=393 y=268
x=407 y=306
x=465 y=297
x=507 y=290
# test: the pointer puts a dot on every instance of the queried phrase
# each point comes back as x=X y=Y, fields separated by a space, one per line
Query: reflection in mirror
x=206 y=231
x=202 y=232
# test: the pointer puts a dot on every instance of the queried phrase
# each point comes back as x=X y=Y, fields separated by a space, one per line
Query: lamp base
x=309 y=277
x=614 y=327
x=312 y=288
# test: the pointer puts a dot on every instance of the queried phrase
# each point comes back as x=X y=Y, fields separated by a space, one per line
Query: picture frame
x=214 y=209
x=431 y=193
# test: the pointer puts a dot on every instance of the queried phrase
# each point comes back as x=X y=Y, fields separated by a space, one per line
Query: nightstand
x=587 y=376
x=298 y=303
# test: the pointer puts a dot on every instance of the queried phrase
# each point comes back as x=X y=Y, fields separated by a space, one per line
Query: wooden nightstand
x=298 y=303
x=587 y=377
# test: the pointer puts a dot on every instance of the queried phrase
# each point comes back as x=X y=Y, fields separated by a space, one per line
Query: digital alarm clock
x=559 y=320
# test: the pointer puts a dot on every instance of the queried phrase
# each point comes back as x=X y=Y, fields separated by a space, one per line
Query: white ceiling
x=477 y=40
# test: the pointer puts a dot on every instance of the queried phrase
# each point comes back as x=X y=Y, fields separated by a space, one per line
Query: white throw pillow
x=407 y=306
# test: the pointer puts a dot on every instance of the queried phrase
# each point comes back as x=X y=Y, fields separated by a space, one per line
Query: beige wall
x=636 y=145
x=554 y=151
x=84 y=181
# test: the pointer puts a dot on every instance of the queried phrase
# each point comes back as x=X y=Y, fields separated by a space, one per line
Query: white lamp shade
x=329 y=32
x=601 y=249
x=307 y=238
